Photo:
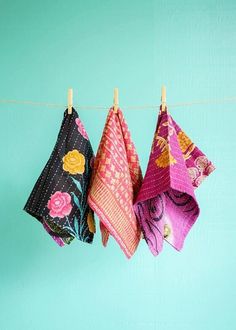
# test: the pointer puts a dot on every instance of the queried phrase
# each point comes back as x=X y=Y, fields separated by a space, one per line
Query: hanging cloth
x=166 y=205
x=59 y=197
x=117 y=178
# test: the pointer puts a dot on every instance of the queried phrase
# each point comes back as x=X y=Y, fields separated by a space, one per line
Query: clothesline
x=74 y=185
x=140 y=107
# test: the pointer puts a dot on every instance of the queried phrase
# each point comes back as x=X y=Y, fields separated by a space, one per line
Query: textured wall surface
x=93 y=46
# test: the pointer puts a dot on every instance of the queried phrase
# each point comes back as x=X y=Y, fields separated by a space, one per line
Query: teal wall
x=93 y=46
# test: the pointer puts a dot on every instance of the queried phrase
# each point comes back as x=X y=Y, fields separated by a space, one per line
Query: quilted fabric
x=117 y=178
x=166 y=205
x=59 y=197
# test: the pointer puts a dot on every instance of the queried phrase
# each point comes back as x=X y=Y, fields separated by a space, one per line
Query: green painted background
x=93 y=46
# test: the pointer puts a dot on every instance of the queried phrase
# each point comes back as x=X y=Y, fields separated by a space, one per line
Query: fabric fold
x=115 y=183
x=59 y=197
x=166 y=205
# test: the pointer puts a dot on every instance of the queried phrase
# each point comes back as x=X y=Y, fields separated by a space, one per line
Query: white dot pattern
x=53 y=178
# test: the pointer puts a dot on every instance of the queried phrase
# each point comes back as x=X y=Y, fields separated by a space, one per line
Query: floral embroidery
x=203 y=167
x=166 y=158
x=186 y=145
x=193 y=173
x=202 y=163
x=59 y=204
x=81 y=128
x=74 y=162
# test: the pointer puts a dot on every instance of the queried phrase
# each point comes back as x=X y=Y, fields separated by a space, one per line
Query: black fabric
x=65 y=181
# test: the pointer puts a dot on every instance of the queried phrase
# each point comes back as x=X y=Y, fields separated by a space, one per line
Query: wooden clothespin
x=116 y=100
x=70 y=100
x=163 y=98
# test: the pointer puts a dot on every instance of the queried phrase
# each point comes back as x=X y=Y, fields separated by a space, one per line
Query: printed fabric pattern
x=116 y=181
x=59 y=197
x=166 y=205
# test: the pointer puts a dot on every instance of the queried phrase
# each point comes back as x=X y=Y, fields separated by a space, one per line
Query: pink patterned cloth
x=166 y=205
x=115 y=183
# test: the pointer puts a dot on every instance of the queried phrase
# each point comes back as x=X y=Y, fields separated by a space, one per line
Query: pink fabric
x=166 y=205
x=116 y=180
x=81 y=128
x=59 y=204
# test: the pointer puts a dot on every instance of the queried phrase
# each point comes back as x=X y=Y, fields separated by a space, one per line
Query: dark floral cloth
x=59 y=197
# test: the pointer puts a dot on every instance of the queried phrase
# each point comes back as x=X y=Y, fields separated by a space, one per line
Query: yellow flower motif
x=186 y=145
x=184 y=141
x=73 y=162
x=91 y=222
x=165 y=159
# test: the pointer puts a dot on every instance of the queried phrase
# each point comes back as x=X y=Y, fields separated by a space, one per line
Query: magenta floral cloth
x=166 y=205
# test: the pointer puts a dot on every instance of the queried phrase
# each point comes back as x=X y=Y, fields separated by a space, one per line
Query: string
x=141 y=107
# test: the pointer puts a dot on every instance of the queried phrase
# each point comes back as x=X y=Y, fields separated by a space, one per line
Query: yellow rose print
x=74 y=162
